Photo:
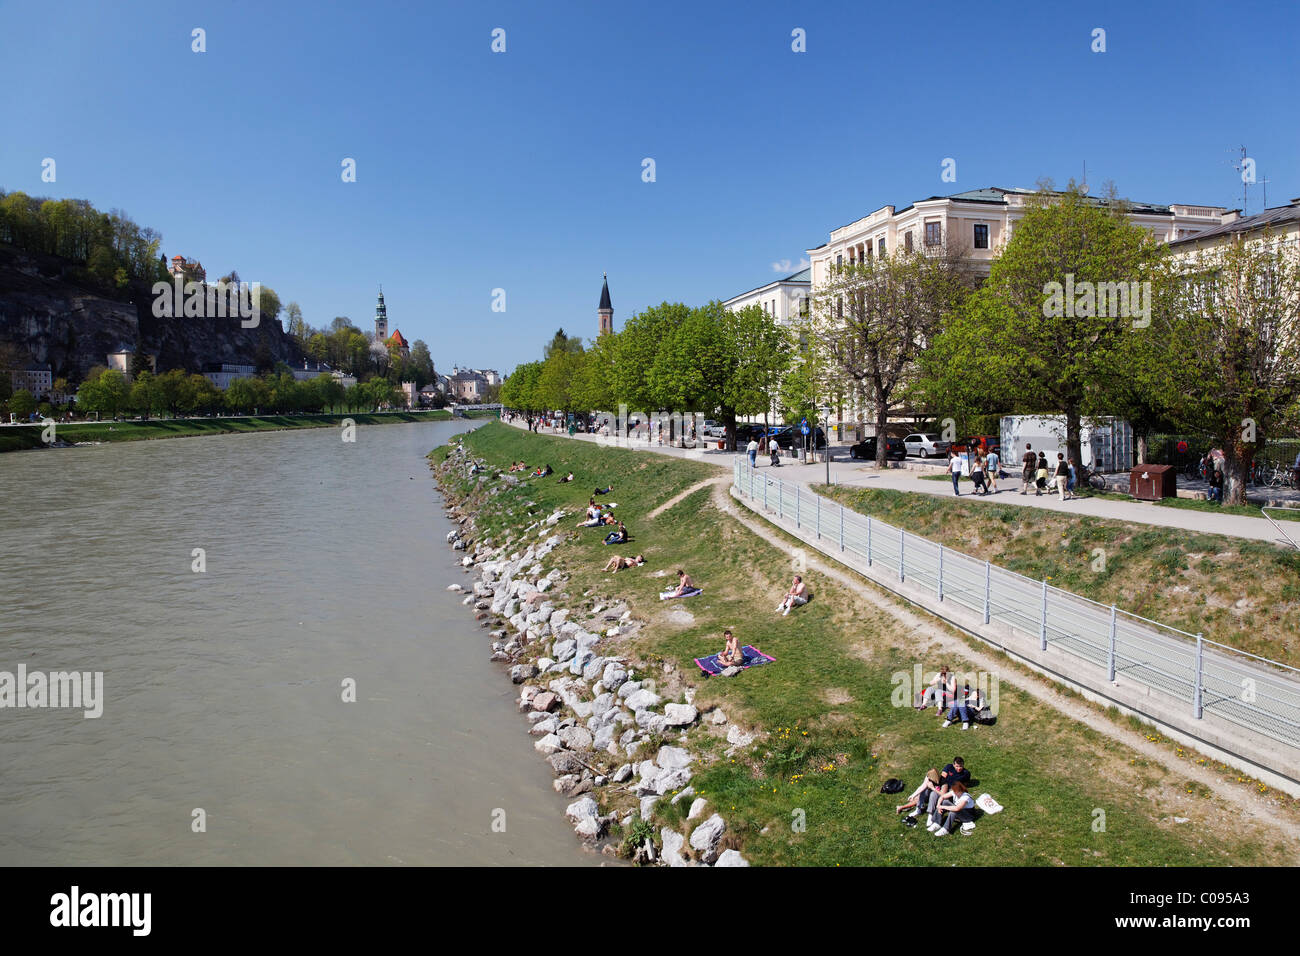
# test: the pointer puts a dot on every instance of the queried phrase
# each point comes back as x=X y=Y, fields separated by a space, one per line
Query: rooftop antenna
x=1240 y=167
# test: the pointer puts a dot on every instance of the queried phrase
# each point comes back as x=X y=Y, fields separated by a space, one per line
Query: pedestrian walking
x=992 y=465
x=752 y=449
x=977 y=474
x=1062 y=476
x=954 y=469
x=1029 y=464
x=1074 y=477
x=774 y=448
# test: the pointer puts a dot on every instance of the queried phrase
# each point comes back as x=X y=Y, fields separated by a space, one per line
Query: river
x=225 y=738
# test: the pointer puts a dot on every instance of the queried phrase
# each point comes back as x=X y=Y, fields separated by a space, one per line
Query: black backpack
x=892 y=785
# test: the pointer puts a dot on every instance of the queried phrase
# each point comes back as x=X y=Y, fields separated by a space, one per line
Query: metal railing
x=1258 y=694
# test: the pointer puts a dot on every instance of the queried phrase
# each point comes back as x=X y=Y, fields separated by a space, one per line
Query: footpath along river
x=223 y=688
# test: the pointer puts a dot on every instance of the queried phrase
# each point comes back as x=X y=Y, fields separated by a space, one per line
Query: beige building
x=784 y=299
x=976 y=226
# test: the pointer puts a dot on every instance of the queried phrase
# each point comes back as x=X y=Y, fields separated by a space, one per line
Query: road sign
x=803 y=427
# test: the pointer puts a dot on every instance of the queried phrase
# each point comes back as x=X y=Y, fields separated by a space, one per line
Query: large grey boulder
x=697 y=808
x=576 y=738
x=522 y=672
x=547 y=725
x=680 y=715
x=627 y=688
x=731 y=858
x=668 y=780
x=564 y=650
x=549 y=744
x=706 y=836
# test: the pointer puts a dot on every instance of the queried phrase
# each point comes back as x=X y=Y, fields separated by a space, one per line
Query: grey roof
x=604 y=297
x=803 y=275
x=1277 y=216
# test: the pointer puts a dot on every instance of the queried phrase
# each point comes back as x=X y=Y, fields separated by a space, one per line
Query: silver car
x=926 y=445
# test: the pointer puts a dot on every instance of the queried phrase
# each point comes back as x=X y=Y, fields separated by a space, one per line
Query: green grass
x=1246 y=511
x=833 y=734
x=16 y=438
x=1236 y=591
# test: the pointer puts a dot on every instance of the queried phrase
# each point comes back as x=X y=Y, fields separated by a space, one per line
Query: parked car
x=791 y=437
x=747 y=430
x=866 y=450
x=714 y=429
x=926 y=444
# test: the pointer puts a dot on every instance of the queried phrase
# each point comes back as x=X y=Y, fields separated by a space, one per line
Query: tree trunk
x=1141 y=449
x=729 y=424
x=1073 y=444
x=882 y=440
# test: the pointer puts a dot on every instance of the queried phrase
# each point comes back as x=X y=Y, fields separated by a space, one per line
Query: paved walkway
x=844 y=471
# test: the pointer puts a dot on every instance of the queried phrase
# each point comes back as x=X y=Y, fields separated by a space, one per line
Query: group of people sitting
x=943 y=797
x=942 y=692
x=597 y=515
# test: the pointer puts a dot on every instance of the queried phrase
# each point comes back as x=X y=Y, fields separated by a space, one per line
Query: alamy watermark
x=83 y=690
x=1121 y=300
x=198 y=300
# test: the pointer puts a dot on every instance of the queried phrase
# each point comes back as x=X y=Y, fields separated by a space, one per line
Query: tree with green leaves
x=870 y=322
x=22 y=403
x=144 y=397
x=519 y=390
x=1225 y=346
x=1019 y=335
x=104 y=391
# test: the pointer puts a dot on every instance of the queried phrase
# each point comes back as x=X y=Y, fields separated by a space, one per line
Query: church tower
x=605 y=312
x=381 y=318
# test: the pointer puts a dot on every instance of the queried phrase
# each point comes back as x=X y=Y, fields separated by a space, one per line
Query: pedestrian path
x=844 y=471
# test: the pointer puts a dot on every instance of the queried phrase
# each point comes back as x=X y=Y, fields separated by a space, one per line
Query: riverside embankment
x=790 y=756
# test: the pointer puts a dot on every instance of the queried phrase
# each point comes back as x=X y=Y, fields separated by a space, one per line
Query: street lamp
x=826 y=434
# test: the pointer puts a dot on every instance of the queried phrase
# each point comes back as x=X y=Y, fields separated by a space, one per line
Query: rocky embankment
x=617 y=741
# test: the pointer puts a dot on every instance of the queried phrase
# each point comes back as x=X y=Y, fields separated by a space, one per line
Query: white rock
x=623 y=773
x=642 y=699
x=705 y=837
x=685 y=794
x=550 y=744
x=628 y=688
x=582 y=809
x=648 y=806
x=672 y=758
x=575 y=738
x=717 y=717
x=672 y=847
x=547 y=725
x=731 y=858
x=738 y=737
x=697 y=808
x=455 y=587
x=680 y=715
x=589 y=829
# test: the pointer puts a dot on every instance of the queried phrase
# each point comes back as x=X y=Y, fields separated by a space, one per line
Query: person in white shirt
x=954 y=468
x=752 y=449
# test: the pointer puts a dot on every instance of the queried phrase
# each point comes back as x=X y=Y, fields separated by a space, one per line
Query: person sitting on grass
x=604 y=491
x=795 y=597
x=617 y=537
x=928 y=783
x=684 y=584
x=593 y=515
x=951 y=773
x=566 y=478
x=618 y=564
x=961 y=707
x=608 y=518
x=1216 y=485
x=933 y=693
x=732 y=655
x=955 y=809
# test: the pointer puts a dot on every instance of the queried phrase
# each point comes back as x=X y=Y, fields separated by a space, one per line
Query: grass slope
x=1238 y=592
x=807 y=791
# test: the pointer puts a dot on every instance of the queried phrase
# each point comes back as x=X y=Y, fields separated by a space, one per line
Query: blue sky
x=522 y=170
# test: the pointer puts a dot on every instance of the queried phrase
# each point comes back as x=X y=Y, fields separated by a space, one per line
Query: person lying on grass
x=604 y=491
x=568 y=477
x=928 y=783
x=684 y=584
x=797 y=596
x=617 y=537
x=619 y=564
x=731 y=655
x=609 y=519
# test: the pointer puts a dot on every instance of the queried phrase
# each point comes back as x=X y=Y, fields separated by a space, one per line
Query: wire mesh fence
x=1109 y=643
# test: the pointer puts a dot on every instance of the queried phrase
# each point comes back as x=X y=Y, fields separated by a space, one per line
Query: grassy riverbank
x=17 y=438
x=828 y=731
x=1238 y=592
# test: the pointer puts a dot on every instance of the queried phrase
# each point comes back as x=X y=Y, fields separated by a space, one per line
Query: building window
x=839 y=261
x=880 y=247
x=934 y=233
x=907 y=240
x=981 y=236
x=839 y=308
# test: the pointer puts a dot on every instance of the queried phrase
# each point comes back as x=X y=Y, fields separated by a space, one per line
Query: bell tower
x=381 y=318
x=605 y=312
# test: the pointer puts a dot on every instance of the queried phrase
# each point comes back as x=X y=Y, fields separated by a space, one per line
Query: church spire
x=381 y=318
x=605 y=311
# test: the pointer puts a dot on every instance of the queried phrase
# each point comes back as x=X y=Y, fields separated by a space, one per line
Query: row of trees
x=669 y=358
x=109 y=393
x=344 y=346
